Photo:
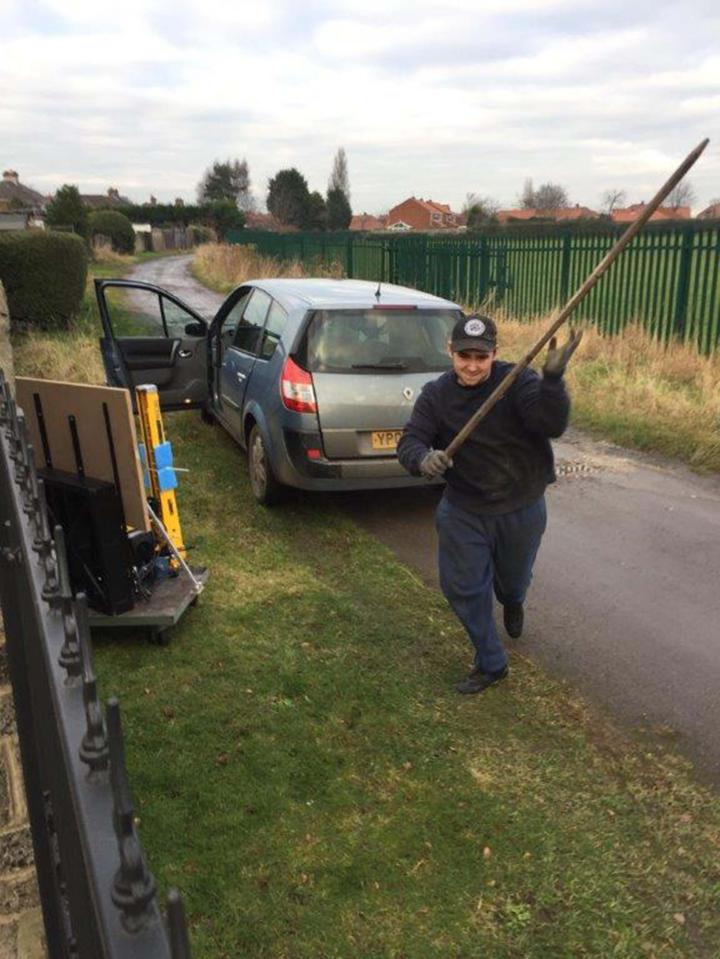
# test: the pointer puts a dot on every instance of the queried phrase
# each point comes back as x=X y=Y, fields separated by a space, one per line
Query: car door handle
x=241 y=376
x=184 y=354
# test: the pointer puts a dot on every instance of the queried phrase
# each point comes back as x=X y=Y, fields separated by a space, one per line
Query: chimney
x=11 y=176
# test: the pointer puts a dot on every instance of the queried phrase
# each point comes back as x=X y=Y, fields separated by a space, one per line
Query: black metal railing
x=98 y=895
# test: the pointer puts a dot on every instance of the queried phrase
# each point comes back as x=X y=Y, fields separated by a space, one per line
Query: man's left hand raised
x=557 y=357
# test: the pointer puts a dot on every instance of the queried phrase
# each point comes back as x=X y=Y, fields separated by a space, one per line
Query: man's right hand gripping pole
x=434 y=463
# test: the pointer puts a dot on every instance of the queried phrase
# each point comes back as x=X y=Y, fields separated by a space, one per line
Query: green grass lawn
x=306 y=776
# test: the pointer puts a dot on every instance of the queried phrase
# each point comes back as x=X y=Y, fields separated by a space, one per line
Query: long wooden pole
x=577 y=297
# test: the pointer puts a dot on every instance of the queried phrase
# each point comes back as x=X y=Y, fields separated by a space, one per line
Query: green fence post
x=565 y=267
x=483 y=270
x=683 y=283
x=349 y=257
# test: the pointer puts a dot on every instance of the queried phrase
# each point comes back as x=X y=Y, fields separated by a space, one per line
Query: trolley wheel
x=157 y=636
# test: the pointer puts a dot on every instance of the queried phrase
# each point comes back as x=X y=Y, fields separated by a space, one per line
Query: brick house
x=367 y=222
x=711 y=212
x=423 y=215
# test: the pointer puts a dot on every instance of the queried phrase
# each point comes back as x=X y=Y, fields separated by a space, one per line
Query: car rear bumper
x=320 y=473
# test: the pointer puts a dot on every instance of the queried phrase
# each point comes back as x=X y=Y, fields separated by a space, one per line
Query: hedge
x=44 y=275
x=114 y=225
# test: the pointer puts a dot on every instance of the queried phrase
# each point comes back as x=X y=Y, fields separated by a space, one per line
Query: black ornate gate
x=98 y=895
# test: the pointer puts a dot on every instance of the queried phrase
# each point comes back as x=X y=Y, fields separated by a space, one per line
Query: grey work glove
x=558 y=356
x=434 y=463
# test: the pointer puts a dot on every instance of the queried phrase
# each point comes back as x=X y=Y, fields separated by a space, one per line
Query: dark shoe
x=513 y=617
x=477 y=681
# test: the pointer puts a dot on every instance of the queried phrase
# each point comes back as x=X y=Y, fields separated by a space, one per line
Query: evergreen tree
x=339 y=213
x=227 y=181
x=67 y=209
x=223 y=215
x=288 y=198
x=480 y=211
x=315 y=213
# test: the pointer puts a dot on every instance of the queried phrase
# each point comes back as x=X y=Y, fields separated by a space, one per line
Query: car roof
x=324 y=293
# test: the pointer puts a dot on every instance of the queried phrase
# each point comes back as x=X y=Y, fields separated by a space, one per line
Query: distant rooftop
x=101 y=201
x=16 y=194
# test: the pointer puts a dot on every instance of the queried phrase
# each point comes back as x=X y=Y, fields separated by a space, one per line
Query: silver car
x=315 y=378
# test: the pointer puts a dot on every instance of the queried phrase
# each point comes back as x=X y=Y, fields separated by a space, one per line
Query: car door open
x=153 y=337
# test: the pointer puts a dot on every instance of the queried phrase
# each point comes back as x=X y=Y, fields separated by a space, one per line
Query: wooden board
x=85 y=402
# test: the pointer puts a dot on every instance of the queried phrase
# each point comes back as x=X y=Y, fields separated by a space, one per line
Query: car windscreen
x=377 y=340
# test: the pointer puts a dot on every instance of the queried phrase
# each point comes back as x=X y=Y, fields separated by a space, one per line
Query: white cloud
x=475 y=99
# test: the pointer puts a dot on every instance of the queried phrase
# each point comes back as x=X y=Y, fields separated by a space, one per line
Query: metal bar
x=577 y=297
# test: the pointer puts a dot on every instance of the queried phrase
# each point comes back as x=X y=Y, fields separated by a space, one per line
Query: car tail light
x=296 y=388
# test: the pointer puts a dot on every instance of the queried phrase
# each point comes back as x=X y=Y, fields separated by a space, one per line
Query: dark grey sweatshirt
x=507 y=461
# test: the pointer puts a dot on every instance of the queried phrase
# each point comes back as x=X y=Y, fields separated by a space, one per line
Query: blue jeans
x=481 y=554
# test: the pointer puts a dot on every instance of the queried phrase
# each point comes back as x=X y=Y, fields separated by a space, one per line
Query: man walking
x=491 y=517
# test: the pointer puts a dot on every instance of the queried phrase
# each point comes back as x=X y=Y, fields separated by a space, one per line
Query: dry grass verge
x=222 y=266
x=636 y=392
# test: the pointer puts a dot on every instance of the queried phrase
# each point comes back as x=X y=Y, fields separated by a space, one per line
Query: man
x=491 y=517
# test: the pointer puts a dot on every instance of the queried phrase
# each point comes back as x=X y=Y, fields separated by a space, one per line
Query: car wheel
x=207 y=415
x=265 y=487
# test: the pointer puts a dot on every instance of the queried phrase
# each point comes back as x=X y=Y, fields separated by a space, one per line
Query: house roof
x=263 y=221
x=101 y=201
x=13 y=191
x=366 y=221
x=629 y=213
x=711 y=212
x=558 y=214
x=432 y=206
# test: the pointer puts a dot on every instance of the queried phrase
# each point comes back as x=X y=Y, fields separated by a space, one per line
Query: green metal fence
x=668 y=279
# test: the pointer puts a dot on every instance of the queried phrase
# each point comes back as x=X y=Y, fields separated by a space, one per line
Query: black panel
x=99 y=554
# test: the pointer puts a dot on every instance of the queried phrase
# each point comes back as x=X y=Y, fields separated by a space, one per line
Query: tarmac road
x=625 y=603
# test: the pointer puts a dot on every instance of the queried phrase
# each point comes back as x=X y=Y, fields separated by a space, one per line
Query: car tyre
x=265 y=486
x=207 y=415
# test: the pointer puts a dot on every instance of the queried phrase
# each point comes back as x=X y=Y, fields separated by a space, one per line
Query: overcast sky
x=428 y=98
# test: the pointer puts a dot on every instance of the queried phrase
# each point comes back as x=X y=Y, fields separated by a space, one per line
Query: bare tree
x=339 y=177
x=527 y=197
x=612 y=199
x=551 y=196
x=682 y=195
x=548 y=196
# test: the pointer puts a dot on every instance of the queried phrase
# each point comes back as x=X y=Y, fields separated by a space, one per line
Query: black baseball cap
x=474 y=333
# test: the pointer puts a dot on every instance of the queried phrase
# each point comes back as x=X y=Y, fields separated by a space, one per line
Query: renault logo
x=408 y=393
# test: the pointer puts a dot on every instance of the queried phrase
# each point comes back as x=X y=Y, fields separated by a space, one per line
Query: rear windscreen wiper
x=379 y=366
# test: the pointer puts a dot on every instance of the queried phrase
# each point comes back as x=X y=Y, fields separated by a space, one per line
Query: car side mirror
x=195 y=329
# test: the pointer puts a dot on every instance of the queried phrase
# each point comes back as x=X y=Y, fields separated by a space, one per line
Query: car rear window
x=376 y=340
